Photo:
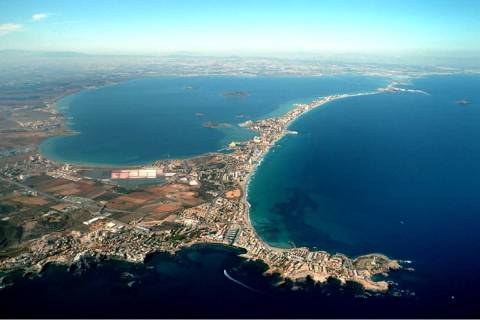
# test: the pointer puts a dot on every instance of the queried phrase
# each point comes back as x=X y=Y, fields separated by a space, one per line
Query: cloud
x=39 y=16
x=6 y=28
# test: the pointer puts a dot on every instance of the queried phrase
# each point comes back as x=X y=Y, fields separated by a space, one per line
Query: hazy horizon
x=247 y=28
x=463 y=60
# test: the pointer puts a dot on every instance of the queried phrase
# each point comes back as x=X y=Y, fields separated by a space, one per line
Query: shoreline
x=66 y=131
x=257 y=248
x=315 y=262
x=249 y=177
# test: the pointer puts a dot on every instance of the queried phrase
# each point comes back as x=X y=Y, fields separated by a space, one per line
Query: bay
x=147 y=119
x=390 y=173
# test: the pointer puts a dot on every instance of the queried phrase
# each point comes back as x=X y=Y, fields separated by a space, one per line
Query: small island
x=216 y=125
x=203 y=200
x=235 y=94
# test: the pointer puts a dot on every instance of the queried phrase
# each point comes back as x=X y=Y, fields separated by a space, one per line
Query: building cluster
x=16 y=151
x=222 y=181
x=53 y=123
x=32 y=165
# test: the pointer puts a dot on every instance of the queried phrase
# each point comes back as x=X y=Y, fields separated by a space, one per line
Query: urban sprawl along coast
x=71 y=213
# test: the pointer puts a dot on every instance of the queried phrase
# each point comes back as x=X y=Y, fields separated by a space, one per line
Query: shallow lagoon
x=360 y=158
x=143 y=120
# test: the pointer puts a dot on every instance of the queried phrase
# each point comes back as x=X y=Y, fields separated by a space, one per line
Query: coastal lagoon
x=140 y=121
x=395 y=173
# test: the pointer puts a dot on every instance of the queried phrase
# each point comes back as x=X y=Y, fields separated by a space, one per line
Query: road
x=93 y=211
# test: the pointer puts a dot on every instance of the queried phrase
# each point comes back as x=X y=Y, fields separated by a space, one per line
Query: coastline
x=52 y=107
x=282 y=108
x=366 y=282
x=256 y=248
x=67 y=131
x=249 y=177
x=330 y=156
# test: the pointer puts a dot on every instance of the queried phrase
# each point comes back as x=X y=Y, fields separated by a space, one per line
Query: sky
x=241 y=26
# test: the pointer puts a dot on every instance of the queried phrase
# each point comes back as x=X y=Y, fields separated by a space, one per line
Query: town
x=54 y=212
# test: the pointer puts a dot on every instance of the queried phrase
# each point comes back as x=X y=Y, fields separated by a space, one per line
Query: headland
x=204 y=200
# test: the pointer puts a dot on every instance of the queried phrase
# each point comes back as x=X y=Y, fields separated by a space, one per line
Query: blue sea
x=396 y=173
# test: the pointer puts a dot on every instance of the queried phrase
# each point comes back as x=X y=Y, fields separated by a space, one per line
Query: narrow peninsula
x=201 y=200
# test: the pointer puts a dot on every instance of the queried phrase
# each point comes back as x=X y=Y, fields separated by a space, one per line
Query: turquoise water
x=392 y=173
x=395 y=173
x=143 y=120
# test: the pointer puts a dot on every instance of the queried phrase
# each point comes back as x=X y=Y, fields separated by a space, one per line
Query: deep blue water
x=392 y=173
x=192 y=284
x=143 y=120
